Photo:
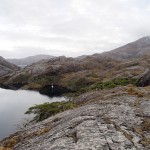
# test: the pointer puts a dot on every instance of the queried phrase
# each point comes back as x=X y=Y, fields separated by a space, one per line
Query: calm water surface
x=13 y=105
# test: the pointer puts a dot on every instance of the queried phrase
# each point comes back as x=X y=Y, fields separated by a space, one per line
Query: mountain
x=132 y=50
x=6 y=67
x=108 y=109
x=64 y=72
x=76 y=75
x=22 y=62
x=129 y=61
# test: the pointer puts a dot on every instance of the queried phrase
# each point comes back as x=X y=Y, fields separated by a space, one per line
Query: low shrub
x=115 y=82
x=44 y=80
x=46 y=110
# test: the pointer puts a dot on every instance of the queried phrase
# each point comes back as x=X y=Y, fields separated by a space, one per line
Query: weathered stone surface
x=145 y=106
x=145 y=79
x=107 y=123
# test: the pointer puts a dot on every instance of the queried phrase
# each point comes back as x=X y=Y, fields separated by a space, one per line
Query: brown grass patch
x=133 y=91
x=11 y=142
x=42 y=131
x=4 y=148
x=145 y=125
x=145 y=141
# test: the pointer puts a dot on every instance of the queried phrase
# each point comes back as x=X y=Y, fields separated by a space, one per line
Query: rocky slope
x=29 y=60
x=6 y=67
x=116 y=117
x=58 y=70
x=132 y=50
x=104 y=120
x=145 y=79
x=75 y=74
x=69 y=72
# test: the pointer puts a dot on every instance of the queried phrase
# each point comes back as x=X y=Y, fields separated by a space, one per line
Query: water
x=13 y=105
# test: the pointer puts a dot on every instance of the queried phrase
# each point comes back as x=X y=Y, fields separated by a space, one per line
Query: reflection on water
x=13 y=105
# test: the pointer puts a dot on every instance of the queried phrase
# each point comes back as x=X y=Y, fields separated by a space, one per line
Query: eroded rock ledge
x=104 y=120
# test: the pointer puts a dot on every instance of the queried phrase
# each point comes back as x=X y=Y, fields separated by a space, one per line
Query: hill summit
x=131 y=50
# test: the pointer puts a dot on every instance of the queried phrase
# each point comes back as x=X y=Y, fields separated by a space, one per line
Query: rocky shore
x=112 y=119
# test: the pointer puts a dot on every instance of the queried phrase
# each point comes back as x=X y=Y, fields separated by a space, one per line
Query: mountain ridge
x=6 y=67
x=110 y=111
x=131 y=61
x=29 y=60
x=131 y=50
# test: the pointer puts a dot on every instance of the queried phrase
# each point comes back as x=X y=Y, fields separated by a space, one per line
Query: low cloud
x=70 y=27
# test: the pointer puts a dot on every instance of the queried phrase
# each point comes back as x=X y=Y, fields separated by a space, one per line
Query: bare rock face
x=145 y=79
x=114 y=120
x=6 y=67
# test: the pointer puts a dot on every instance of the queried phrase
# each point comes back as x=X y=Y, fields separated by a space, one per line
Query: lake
x=13 y=105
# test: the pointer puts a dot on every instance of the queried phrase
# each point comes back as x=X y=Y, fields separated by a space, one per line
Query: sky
x=70 y=27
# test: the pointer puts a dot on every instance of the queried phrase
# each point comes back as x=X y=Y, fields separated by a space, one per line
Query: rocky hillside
x=103 y=120
x=101 y=66
x=77 y=74
x=145 y=79
x=22 y=62
x=129 y=61
x=110 y=111
x=132 y=50
x=6 y=67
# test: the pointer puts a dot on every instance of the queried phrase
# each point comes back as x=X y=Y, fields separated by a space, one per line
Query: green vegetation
x=115 y=82
x=21 y=78
x=46 y=110
x=44 y=80
x=40 y=81
x=83 y=85
x=80 y=85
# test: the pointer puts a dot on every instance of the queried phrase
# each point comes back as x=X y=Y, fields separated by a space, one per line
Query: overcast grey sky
x=70 y=27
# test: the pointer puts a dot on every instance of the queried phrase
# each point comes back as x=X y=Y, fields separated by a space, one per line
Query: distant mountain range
x=132 y=50
x=22 y=62
x=127 y=61
x=6 y=67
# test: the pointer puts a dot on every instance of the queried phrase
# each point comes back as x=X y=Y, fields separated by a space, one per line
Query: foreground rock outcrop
x=145 y=79
x=104 y=120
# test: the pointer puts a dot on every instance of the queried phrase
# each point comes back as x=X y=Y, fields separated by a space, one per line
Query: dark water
x=13 y=105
